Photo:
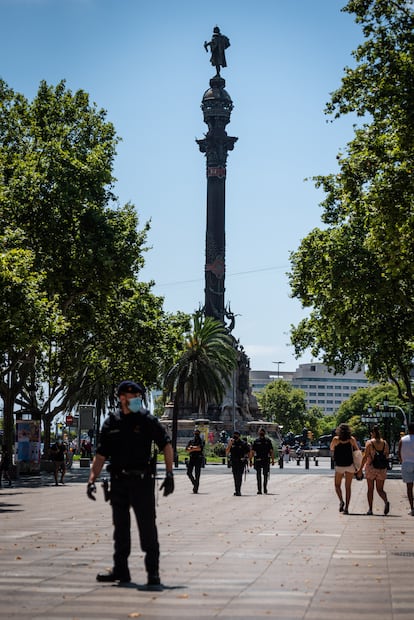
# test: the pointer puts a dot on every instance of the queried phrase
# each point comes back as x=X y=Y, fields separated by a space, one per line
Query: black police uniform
x=127 y=440
x=262 y=448
x=239 y=453
x=195 y=461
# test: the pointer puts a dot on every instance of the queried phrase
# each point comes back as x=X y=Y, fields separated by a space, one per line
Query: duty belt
x=131 y=473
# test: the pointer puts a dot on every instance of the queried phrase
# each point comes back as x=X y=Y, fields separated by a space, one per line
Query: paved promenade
x=287 y=555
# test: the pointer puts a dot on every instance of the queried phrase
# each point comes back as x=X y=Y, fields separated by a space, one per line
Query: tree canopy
x=73 y=314
x=284 y=404
x=355 y=275
x=202 y=369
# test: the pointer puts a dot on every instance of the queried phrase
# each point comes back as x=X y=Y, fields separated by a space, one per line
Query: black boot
x=153 y=579
x=114 y=575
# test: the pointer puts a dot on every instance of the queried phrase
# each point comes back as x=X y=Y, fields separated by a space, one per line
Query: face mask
x=135 y=404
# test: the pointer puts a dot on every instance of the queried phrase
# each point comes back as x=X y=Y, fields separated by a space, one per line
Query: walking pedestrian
x=195 y=448
x=406 y=456
x=126 y=439
x=261 y=456
x=239 y=454
x=375 y=460
x=342 y=447
x=58 y=453
x=5 y=465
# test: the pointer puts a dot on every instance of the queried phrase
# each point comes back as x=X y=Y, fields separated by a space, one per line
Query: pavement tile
x=289 y=554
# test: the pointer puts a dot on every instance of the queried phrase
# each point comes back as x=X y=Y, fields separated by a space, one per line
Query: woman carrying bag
x=376 y=466
x=342 y=448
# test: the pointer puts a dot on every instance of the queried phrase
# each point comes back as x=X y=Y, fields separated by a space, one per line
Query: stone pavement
x=289 y=554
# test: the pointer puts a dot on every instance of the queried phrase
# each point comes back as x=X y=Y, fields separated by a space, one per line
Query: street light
x=278 y=364
x=369 y=418
x=388 y=412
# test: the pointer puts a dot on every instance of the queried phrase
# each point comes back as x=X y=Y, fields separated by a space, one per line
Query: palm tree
x=203 y=371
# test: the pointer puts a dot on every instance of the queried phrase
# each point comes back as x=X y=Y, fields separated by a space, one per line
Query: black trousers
x=136 y=493
x=262 y=468
x=238 y=471
x=194 y=464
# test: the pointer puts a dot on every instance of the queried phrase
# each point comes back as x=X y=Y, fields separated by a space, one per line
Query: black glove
x=90 y=490
x=168 y=483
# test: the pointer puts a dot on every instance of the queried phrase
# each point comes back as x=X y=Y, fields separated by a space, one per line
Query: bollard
x=316 y=462
x=281 y=462
x=306 y=462
x=332 y=463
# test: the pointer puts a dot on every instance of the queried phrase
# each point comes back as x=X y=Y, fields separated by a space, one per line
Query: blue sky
x=144 y=62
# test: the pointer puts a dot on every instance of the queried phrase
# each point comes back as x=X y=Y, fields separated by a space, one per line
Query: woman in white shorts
x=342 y=448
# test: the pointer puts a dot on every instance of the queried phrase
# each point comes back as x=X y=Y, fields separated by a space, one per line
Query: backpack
x=379 y=461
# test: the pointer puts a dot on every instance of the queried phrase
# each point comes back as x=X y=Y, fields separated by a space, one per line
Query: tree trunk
x=46 y=437
x=175 y=427
x=8 y=422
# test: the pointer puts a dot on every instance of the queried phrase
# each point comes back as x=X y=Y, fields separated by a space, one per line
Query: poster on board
x=28 y=446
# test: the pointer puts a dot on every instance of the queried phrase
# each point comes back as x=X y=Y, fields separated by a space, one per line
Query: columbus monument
x=239 y=405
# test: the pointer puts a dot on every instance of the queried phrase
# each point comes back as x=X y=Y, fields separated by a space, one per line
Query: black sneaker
x=154 y=580
x=113 y=576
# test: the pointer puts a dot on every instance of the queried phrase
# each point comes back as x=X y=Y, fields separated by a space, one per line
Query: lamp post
x=388 y=412
x=278 y=365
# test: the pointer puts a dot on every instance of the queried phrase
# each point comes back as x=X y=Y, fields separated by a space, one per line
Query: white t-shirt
x=407 y=449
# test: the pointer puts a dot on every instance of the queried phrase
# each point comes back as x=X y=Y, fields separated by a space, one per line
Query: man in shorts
x=406 y=456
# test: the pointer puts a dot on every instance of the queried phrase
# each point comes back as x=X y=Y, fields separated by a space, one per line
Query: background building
x=322 y=388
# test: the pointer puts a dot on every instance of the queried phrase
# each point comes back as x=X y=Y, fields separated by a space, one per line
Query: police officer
x=126 y=438
x=239 y=454
x=195 y=448
x=262 y=453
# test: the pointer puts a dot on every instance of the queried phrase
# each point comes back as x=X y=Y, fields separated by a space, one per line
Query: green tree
x=133 y=337
x=26 y=315
x=356 y=274
x=326 y=424
x=365 y=400
x=284 y=404
x=202 y=371
x=83 y=253
x=313 y=420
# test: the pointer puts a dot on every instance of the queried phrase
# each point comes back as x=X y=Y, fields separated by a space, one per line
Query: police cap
x=130 y=387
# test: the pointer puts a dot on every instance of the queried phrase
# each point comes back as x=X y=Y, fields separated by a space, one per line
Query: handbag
x=357 y=458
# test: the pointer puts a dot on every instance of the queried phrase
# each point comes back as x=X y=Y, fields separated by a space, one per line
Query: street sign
x=69 y=420
x=87 y=416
